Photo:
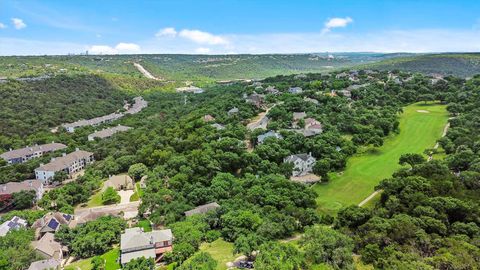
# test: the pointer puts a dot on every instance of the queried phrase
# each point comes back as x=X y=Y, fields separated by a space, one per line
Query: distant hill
x=186 y=67
x=462 y=65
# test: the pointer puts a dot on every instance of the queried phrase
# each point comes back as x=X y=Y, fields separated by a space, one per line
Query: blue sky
x=230 y=26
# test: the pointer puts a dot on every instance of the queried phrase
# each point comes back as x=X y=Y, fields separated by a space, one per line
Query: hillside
x=185 y=67
x=31 y=106
x=462 y=65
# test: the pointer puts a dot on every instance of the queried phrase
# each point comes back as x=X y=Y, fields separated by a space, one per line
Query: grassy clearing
x=145 y=224
x=110 y=258
x=221 y=251
x=418 y=131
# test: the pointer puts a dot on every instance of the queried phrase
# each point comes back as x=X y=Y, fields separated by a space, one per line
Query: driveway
x=125 y=196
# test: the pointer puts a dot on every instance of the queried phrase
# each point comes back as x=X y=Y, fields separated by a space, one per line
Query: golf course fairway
x=421 y=125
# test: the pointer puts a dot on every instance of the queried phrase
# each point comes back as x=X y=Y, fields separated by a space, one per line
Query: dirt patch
x=423 y=111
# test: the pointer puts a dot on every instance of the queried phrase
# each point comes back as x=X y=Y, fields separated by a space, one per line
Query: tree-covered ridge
x=29 y=107
x=456 y=64
x=183 y=67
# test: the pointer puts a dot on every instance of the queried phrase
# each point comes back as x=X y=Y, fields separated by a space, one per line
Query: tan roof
x=118 y=181
x=49 y=246
x=13 y=187
x=66 y=161
x=109 y=131
x=45 y=264
x=29 y=150
x=202 y=209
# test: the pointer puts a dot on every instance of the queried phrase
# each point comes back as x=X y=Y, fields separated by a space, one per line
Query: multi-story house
x=135 y=243
x=30 y=152
x=7 y=189
x=302 y=164
x=69 y=163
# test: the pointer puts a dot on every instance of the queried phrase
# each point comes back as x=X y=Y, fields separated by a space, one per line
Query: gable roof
x=117 y=181
x=52 y=221
x=44 y=264
x=14 y=187
x=66 y=161
x=135 y=238
x=104 y=133
x=13 y=224
x=49 y=246
x=202 y=209
x=29 y=150
x=302 y=157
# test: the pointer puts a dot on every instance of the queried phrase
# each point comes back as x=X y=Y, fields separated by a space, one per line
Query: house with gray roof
x=135 y=243
x=255 y=99
x=202 y=209
x=69 y=163
x=23 y=154
x=70 y=127
x=8 y=189
x=233 y=111
x=270 y=134
x=218 y=126
x=49 y=264
x=295 y=90
x=108 y=132
x=272 y=90
x=13 y=224
x=120 y=182
x=302 y=164
x=138 y=105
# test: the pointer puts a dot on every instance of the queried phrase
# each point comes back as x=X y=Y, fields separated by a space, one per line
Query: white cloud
x=121 y=48
x=202 y=50
x=2 y=26
x=127 y=47
x=201 y=37
x=336 y=23
x=18 y=23
x=166 y=32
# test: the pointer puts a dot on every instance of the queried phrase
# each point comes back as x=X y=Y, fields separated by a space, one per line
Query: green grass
x=145 y=224
x=221 y=251
x=363 y=172
x=110 y=258
x=138 y=193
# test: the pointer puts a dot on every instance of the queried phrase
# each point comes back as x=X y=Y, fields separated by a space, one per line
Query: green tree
x=110 y=196
x=140 y=264
x=60 y=176
x=278 y=256
x=137 y=170
x=200 y=261
x=325 y=245
x=411 y=159
x=23 y=199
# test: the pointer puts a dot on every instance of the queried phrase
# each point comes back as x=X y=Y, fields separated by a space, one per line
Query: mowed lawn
x=418 y=131
x=221 y=251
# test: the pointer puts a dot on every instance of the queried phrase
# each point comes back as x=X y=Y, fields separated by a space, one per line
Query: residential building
x=69 y=163
x=135 y=243
x=7 y=189
x=295 y=90
x=50 y=223
x=300 y=76
x=190 y=89
x=299 y=115
x=255 y=99
x=208 y=118
x=138 y=105
x=13 y=224
x=105 y=133
x=314 y=101
x=48 y=248
x=202 y=209
x=70 y=127
x=261 y=138
x=261 y=123
x=233 y=111
x=49 y=264
x=272 y=90
x=302 y=164
x=30 y=152
x=120 y=182
x=218 y=126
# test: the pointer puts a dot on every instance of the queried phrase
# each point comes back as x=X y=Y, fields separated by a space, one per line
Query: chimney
x=64 y=154
x=30 y=183
x=76 y=149
x=53 y=141
x=53 y=159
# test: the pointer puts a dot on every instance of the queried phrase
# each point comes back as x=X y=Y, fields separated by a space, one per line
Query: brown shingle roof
x=13 y=187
